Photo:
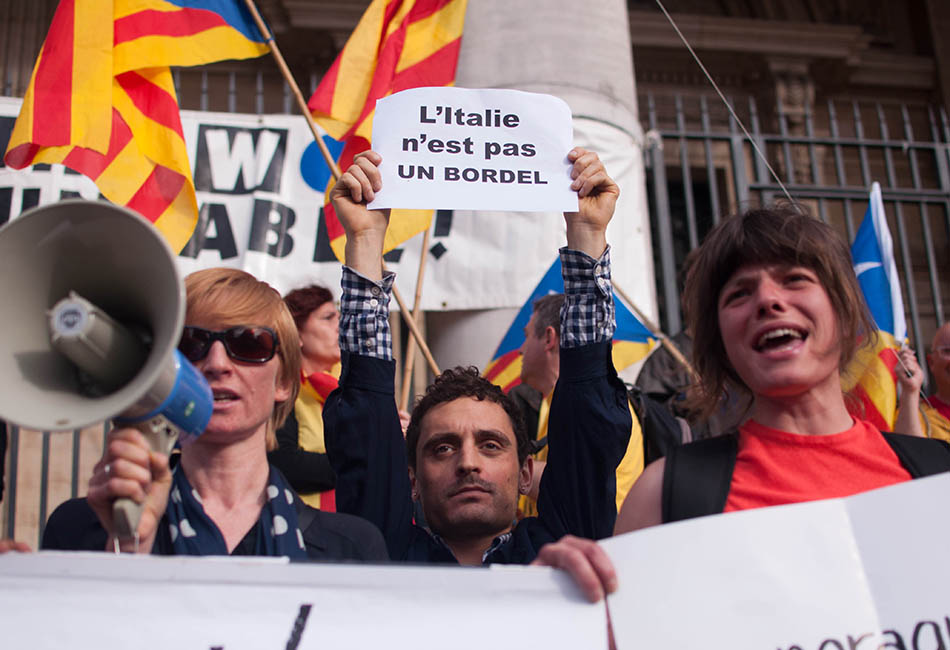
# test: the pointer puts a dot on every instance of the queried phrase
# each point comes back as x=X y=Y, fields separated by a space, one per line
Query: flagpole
x=410 y=346
x=664 y=339
x=331 y=163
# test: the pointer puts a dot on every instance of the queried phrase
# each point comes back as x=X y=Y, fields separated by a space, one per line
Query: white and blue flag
x=873 y=254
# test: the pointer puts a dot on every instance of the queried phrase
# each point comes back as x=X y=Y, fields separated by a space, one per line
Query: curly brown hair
x=456 y=383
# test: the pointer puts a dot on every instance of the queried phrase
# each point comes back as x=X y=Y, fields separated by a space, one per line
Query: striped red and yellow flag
x=870 y=380
x=102 y=101
x=398 y=44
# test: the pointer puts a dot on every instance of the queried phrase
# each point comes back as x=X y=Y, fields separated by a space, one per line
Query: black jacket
x=588 y=431
x=328 y=536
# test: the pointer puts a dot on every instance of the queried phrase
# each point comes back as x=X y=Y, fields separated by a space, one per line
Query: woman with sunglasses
x=222 y=496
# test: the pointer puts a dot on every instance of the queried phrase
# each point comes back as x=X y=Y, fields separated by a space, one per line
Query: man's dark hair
x=453 y=384
x=302 y=302
x=547 y=313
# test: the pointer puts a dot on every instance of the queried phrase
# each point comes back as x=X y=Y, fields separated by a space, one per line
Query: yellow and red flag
x=102 y=101
x=398 y=44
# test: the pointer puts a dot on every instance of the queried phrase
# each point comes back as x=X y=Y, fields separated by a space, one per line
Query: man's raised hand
x=597 y=195
x=365 y=229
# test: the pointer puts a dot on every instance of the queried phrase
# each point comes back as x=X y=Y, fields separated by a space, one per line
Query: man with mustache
x=466 y=447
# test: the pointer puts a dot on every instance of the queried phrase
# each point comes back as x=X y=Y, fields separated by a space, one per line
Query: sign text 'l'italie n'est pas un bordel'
x=458 y=148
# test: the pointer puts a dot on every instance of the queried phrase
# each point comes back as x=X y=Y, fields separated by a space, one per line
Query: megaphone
x=95 y=308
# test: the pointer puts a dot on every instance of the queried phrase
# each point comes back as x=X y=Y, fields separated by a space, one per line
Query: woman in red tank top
x=776 y=312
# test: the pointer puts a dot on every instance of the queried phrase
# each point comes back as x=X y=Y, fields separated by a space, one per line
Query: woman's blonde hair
x=234 y=297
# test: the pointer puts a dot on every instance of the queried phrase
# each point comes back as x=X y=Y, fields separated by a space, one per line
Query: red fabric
x=180 y=22
x=92 y=163
x=776 y=467
x=942 y=407
x=323 y=383
x=53 y=81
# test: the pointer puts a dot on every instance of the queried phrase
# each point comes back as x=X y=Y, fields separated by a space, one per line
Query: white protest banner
x=460 y=148
x=86 y=600
x=864 y=573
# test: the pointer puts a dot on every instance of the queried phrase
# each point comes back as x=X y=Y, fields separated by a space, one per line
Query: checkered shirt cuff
x=364 y=317
x=588 y=312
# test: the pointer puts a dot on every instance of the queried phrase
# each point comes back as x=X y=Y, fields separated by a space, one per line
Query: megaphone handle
x=126 y=513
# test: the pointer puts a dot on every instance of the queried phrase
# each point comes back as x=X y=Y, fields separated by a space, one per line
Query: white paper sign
x=862 y=573
x=83 y=600
x=458 y=148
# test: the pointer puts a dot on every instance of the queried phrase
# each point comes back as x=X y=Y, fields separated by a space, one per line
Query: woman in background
x=301 y=454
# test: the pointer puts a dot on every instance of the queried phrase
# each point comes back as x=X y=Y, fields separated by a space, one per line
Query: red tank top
x=775 y=467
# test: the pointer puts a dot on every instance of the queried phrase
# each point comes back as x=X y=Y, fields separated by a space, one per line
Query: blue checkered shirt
x=586 y=317
x=588 y=312
x=364 y=317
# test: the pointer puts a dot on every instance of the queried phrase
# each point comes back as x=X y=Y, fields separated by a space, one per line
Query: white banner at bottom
x=869 y=572
x=94 y=600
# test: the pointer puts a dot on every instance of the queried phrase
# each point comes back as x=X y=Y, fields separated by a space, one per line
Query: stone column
x=581 y=53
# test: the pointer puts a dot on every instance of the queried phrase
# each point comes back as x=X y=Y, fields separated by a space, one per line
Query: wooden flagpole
x=334 y=168
x=664 y=340
x=409 y=359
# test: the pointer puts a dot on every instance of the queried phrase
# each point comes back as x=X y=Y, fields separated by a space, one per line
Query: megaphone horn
x=96 y=310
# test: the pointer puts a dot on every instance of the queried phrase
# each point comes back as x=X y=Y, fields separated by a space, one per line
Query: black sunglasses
x=248 y=344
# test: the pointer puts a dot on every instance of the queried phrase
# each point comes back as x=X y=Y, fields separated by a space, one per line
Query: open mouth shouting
x=781 y=338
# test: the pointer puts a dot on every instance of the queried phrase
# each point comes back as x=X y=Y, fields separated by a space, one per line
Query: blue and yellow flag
x=632 y=340
x=871 y=375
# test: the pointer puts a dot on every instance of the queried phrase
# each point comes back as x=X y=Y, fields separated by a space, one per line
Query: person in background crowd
x=933 y=413
x=301 y=452
x=222 y=497
x=466 y=449
x=540 y=362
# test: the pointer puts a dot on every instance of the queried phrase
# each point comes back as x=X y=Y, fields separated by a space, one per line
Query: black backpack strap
x=920 y=456
x=697 y=477
x=661 y=431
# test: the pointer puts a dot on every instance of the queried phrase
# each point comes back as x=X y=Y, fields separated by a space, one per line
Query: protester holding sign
x=222 y=497
x=467 y=447
x=777 y=313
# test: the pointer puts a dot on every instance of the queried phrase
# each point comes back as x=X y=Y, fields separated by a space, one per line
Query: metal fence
x=701 y=167
x=43 y=470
